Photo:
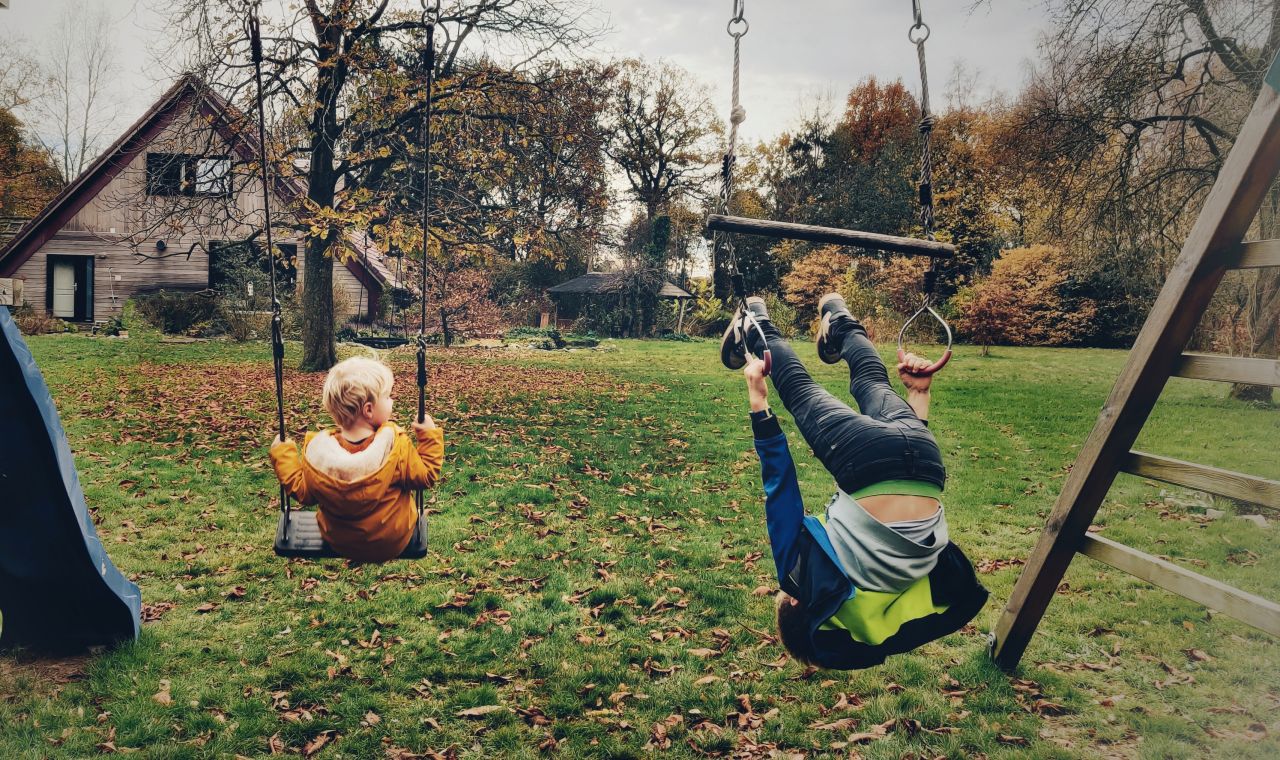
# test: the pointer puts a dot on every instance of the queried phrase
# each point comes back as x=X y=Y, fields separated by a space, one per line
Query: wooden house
x=160 y=209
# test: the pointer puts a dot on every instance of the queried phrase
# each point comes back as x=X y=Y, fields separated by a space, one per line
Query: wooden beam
x=1210 y=248
x=1258 y=254
x=1233 y=485
x=832 y=235
x=1247 y=608
x=1229 y=369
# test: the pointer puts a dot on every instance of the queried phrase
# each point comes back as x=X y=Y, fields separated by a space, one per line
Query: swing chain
x=277 y=321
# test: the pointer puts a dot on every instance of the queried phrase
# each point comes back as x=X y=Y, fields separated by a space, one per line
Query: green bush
x=177 y=312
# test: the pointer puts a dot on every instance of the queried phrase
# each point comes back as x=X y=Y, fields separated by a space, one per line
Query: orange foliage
x=1023 y=302
x=878 y=115
x=820 y=272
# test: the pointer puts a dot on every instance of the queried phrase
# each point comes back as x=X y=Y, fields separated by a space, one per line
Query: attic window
x=184 y=174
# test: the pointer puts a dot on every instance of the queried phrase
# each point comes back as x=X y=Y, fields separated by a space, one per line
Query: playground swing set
x=721 y=226
x=49 y=549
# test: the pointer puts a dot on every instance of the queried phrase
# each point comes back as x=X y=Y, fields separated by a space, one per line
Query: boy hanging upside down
x=877 y=574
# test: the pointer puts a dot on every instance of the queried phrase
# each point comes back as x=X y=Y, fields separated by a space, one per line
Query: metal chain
x=277 y=321
x=430 y=15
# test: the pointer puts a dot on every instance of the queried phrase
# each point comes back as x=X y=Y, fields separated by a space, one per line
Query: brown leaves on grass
x=158 y=401
x=321 y=740
x=153 y=612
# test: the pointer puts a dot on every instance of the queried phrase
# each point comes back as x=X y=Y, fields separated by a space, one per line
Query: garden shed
x=570 y=298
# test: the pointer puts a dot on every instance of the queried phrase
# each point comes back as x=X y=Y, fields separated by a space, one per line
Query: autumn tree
x=819 y=272
x=1027 y=300
x=28 y=176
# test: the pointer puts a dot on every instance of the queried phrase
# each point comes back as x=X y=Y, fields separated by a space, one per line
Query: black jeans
x=887 y=441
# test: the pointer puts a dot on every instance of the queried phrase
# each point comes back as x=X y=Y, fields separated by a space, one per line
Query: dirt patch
x=30 y=673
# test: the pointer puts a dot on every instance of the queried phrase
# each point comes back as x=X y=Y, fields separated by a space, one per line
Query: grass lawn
x=599 y=579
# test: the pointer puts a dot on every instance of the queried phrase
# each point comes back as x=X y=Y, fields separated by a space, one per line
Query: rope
x=277 y=321
x=429 y=64
x=737 y=29
x=917 y=34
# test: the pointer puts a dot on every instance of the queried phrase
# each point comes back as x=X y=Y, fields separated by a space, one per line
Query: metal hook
x=430 y=11
x=739 y=9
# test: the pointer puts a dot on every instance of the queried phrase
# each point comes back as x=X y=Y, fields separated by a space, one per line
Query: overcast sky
x=797 y=52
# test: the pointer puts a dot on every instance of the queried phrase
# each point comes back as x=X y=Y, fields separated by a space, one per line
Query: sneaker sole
x=824 y=331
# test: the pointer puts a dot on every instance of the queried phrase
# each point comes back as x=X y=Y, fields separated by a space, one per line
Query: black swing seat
x=304 y=541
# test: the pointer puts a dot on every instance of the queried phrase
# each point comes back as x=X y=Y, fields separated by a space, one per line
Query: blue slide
x=58 y=588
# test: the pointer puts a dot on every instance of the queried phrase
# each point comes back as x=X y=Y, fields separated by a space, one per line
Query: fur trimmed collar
x=327 y=455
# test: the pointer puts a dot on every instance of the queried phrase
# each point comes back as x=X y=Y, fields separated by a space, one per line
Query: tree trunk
x=445 y=336
x=1264 y=307
x=319 y=350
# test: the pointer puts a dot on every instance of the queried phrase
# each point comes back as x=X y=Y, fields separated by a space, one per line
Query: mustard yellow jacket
x=365 y=492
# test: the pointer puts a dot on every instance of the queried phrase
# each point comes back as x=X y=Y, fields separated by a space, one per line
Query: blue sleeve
x=783 y=508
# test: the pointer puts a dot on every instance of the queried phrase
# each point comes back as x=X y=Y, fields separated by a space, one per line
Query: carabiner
x=902 y=352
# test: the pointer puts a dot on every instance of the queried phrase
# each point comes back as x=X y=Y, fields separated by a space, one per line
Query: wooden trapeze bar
x=833 y=235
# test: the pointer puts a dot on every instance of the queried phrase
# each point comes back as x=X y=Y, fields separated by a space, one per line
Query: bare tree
x=79 y=65
x=21 y=80
x=661 y=124
x=1131 y=117
x=347 y=77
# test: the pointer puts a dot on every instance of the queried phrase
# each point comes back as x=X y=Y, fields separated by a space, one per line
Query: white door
x=64 y=289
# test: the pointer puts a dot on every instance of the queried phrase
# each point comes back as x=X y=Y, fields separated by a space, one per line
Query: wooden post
x=1212 y=247
x=680 y=322
x=10 y=291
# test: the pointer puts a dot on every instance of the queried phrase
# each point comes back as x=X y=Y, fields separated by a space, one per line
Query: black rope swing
x=297 y=534
x=721 y=225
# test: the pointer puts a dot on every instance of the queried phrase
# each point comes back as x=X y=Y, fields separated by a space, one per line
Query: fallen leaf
x=480 y=712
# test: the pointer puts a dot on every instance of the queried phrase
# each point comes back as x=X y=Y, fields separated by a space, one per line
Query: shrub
x=1024 y=302
x=178 y=312
x=707 y=315
x=32 y=321
x=819 y=272
x=783 y=315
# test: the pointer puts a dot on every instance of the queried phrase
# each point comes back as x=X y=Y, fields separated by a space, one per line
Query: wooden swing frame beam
x=831 y=235
x=1212 y=248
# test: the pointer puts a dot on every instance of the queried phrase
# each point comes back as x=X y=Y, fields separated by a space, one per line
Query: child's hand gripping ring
x=946 y=355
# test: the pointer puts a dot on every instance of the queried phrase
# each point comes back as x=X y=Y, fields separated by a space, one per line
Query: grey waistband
x=880 y=557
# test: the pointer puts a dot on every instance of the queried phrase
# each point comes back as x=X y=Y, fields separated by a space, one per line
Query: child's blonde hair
x=351 y=384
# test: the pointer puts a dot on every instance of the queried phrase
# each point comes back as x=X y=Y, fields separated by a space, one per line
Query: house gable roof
x=231 y=124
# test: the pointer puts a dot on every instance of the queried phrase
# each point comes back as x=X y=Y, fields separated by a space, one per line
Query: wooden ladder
x=1213 y=247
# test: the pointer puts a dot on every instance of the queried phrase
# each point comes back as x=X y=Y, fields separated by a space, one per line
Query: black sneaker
x=755 y=304
x=733 y=346
x=834 y=316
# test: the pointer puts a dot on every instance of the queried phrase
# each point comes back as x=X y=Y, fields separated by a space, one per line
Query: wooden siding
x=121 y=225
